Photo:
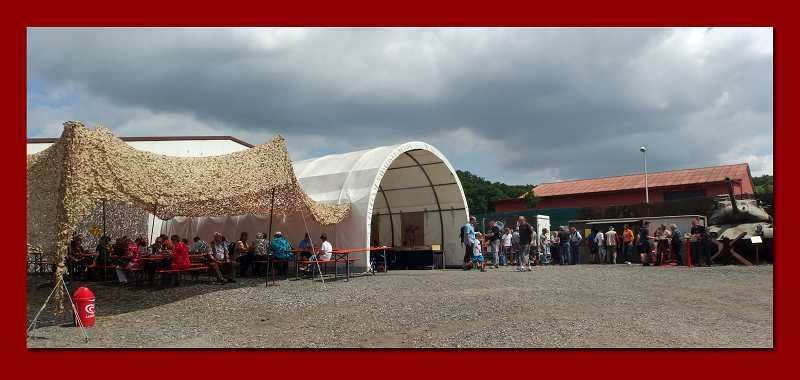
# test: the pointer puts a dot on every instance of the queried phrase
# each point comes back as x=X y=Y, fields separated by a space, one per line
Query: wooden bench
x=94 y=268
x=326 y=262
x=194 y=269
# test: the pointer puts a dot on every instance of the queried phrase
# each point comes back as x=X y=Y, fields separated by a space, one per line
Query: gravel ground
x=569 y=306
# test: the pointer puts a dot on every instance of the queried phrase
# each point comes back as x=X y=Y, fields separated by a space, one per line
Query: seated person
x=261 y=245
x=280 y=247
x=307 y=246
x=219 y=259
x=104 y=250
x=325 y=252
x=120 y=250
x=135 y=255
x=325 y=248
x=180 y=254
x=281 y=250
x=199 y=246
x=168 y=245
x=158 y=246
x=128 y=259
x=141 y=245
x=77 y=259
x=243 y=254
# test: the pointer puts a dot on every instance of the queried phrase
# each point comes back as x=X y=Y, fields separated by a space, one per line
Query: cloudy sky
x=521 y=105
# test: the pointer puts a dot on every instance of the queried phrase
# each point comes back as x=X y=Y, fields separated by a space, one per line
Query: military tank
x=734 y=222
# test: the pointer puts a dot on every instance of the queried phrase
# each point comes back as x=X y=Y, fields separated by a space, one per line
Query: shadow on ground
x=113 y=298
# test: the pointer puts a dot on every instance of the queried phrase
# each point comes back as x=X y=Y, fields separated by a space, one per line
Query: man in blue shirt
x=467 y=237
x=306 y=246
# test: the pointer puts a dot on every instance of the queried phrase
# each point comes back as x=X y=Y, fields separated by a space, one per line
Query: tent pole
x=104 y=216
x=105 y=264
x=269 y=238
x=153 y=224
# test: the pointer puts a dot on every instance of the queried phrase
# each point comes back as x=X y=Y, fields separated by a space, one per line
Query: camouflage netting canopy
x=84 y=167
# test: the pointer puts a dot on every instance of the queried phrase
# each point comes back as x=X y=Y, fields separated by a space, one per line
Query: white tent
x=381 y=184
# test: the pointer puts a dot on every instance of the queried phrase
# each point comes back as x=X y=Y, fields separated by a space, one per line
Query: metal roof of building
x=636 y=181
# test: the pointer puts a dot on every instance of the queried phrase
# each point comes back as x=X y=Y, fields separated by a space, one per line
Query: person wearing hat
x=260 y=249
x=281 y=251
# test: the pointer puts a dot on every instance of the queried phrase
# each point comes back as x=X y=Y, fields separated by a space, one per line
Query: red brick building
x=629 y=189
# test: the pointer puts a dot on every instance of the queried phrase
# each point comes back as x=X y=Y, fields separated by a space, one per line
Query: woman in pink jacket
x=180 y=254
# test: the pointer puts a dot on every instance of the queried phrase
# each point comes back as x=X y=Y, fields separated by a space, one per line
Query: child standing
x=477 y=255
x=507 y=246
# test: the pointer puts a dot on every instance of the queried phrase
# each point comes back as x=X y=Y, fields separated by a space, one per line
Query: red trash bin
x=84 y=303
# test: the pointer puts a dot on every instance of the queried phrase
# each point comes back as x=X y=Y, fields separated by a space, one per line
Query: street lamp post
x=646 y=190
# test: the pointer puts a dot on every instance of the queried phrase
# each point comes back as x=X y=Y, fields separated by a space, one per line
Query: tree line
x=481 y=193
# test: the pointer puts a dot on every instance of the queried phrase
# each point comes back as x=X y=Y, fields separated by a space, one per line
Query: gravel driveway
x=554 y=306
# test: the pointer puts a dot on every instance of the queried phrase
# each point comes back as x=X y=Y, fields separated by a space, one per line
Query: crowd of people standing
x=522 y=246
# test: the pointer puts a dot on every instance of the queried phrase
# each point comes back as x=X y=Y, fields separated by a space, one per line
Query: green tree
x=481 y=193
x=763 y=184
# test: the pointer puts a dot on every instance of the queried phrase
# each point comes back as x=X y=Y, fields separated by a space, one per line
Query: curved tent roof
x=358 y=177
x=386 y=183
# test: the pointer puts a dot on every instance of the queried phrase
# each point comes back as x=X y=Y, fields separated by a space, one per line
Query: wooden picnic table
x=155 y=257
x=343 y=255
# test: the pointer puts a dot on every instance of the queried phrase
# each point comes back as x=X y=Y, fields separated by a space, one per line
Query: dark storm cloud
x=534 y=104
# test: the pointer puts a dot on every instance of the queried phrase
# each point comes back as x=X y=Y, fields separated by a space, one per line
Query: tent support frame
x=269 y=239
x=423 y=211
x=421 y=186
x=60 y=284
x=391 y=220
x=435 y=196
x=417 y=165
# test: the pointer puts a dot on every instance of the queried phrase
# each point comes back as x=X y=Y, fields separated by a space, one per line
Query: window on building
x=684 y=194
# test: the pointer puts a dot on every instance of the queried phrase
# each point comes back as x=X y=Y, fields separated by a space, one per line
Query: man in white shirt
x=611 y=242
x=600 y=240
x=325 y=249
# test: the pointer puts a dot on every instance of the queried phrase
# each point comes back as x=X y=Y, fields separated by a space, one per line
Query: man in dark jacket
x=564 y=246
x=677 y=243
x=494 y=236
x=700 y=247
x=644 y=243
x=575 y=240
x=525 y=235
